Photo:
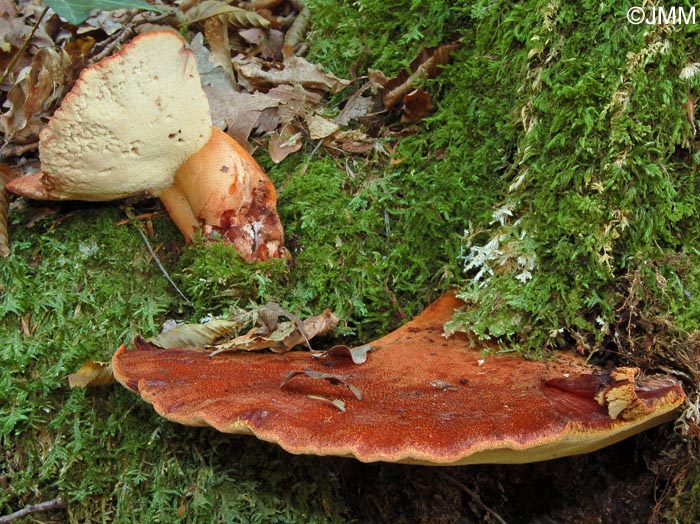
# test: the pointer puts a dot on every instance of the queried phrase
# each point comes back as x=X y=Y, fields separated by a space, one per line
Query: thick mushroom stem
x=223 y=190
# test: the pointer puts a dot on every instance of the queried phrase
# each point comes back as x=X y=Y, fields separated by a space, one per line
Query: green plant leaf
x=77 y=11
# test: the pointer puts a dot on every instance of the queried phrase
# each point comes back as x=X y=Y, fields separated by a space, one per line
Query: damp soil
x=615 y=485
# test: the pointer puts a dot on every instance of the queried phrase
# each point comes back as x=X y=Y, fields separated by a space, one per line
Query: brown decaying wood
x=425 y=399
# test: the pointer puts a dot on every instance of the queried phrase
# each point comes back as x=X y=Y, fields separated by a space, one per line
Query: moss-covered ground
x=559 y=167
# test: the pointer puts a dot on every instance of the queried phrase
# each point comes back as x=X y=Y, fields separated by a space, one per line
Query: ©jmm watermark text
x=660 y=15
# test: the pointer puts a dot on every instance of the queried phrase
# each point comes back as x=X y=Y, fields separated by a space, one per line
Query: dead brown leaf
x=280 y=336
x=13 y=28
x=690 y=112
x=216 y=32
x=284 y=143
x=37 y=87
x=357 y=354
x=260 y=76
x=351 y=141
x=210 y=73
x=236 y=16
x=416 y=106
x=297 y=31
x=317 y=375
x=357 y=106
x=320 y=127
x=92 y=374
x=314 y=326
x=428 y=64
x=237 y=112
x=294 y=101
x=268 y=42
x=196 y=336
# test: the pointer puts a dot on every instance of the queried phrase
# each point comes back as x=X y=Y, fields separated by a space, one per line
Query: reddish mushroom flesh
x=424 y=399
x=223 y=190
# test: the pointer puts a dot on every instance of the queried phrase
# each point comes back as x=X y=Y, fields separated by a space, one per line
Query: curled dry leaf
x=237 y=112
x=357 y=106
x=36 y=88
x=13 y=27
x=320 y=127
x=314 y=326
x=426 y=65
x=350 y=141
x=318 y=375
x=92 y=374
x=357 y=354
x=211 y=74
x=236 y=16
x=284 y=143
x=294 y=70
x=690 y=112
x=416 y=106
x=297 y=31
x=277 y=336
x=336 y=403
x=198 y=335
x=216 y=31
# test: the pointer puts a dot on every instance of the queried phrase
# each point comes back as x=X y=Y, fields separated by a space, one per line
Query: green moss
x=75 y=287
x=598 y=176
x=214 y=278
x=559 y=163
x=684 y=507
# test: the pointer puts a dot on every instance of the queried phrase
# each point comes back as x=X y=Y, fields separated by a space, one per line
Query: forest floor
x=375 y=203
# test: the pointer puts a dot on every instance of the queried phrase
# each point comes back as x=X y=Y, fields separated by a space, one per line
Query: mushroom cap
x=125 y=127
x=426 y=399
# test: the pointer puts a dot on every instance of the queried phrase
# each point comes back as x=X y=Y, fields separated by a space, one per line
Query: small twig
x=24 y=45
x=475 y=497
x=112 y=43
x=157 y=260
x=143 y=216
x=11 y=150
x=49 y=505
x=318 y=144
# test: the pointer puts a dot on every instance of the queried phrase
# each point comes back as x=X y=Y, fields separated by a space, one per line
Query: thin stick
x=475 y=497
x=160 y=266
x=56 y=503
x=23 y=46
x=131 y=216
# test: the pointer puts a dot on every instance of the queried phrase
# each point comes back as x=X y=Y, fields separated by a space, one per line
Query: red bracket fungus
x=425 y=399
x=127 y=128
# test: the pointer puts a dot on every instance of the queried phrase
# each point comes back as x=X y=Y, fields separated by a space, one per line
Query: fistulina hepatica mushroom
x=419 y=398
x=138 y=122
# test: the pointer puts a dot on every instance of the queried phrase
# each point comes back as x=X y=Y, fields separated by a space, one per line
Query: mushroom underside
x=425 y=399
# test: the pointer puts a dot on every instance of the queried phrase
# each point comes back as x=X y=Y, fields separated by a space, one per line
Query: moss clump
x=598 y=178
x=214 y=277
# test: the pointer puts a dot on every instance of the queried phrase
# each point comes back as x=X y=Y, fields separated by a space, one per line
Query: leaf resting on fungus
x=92 y=374
x=337 y=403
x=197 y=335
x=278 y=336
x=357 y=354
x=316 y=375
